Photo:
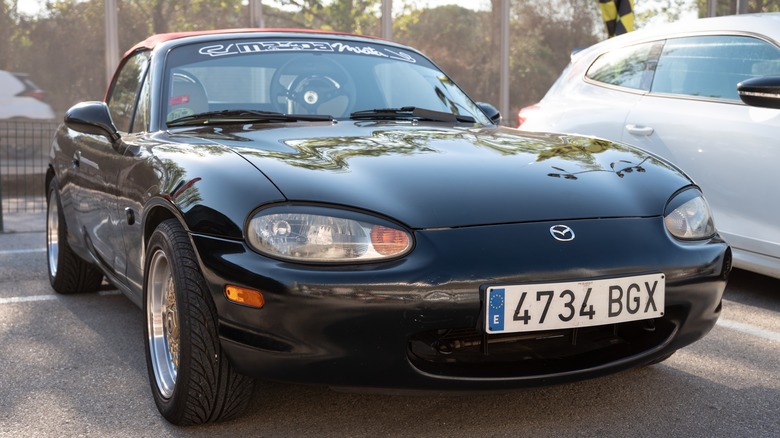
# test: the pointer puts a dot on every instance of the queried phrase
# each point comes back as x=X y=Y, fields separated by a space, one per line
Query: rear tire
x=68 y=273
x=192 y=381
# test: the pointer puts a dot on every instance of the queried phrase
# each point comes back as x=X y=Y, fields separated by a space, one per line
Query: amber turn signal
x=389 y=241
x=247 y=297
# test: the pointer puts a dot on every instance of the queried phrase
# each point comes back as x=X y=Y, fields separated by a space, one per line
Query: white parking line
x=50 y=297
x=749 y=329
x=21 y=251
x=726 y=323
x=12 y=300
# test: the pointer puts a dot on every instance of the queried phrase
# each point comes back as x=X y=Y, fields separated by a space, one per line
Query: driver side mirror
x=762 y=91
x=490 y=111
x=91 y=118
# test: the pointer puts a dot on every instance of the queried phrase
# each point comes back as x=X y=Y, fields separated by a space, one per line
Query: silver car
x=21 y=98
x=673 y=90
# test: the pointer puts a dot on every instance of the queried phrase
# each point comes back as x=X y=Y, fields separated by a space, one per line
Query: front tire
x=192 y=381
x=68 y=273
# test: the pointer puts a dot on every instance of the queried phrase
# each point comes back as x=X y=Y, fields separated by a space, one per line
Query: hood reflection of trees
x=334 y=153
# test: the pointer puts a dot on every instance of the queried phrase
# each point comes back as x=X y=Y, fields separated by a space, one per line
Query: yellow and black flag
x=618 y=16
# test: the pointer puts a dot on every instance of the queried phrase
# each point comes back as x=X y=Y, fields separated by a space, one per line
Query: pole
x=504 y=74
x=112 y=40
x=712 y=8
x=1 y=199
x=387 y=19
x=742 y=7
x=256 y=18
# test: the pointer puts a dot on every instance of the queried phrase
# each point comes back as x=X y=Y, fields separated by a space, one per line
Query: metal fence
x=24 y=149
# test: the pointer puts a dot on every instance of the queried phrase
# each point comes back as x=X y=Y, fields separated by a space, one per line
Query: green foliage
x=63 y=46
x=465 y=44
x=352 y=16
x=662 y=10
x=177 y=16
x=729 y=7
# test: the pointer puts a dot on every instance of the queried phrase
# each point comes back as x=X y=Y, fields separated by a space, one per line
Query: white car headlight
x=313 y=234
x=689 y=217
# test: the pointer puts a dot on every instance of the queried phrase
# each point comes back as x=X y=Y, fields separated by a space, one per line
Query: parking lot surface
x=74 y=366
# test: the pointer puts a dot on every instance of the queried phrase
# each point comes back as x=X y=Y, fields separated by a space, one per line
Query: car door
x=129 y=107
x=598 y=101
x=93 y=174
x=694 y=118
x=99 y=161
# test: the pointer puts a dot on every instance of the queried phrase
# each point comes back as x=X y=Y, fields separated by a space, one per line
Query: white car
x=21 y=98
x=672 y=90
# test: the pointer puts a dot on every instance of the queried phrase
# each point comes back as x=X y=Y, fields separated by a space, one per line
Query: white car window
x=625 y=67
x=712 y=66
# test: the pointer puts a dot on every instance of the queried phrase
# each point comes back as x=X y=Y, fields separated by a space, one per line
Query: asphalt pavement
x=74 y=366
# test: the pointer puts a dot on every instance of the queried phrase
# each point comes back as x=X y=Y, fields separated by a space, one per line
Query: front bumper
x=416 y=323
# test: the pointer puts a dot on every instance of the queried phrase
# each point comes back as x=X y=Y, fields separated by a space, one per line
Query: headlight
x=690 y=217
x=314 y=234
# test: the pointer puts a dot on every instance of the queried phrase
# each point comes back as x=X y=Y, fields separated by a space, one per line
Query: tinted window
x=325 y=77
x=625 y=67
x=712 y=66
x=124 y=91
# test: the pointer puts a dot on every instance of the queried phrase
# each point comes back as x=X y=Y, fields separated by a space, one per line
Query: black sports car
x=333 y=209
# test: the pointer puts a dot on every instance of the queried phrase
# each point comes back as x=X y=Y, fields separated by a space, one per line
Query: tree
x=7 y=23
x=63 y=46
x=454 y=38
x=664 y=11
x=66 y=52
x=353 y=16
x=466 y=43
x=729 y=7
x=166 y=16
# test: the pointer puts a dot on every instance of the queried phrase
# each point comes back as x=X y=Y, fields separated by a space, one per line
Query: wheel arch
x=157 y=212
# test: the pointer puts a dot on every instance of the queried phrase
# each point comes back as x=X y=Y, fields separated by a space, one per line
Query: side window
x=142 y=114
x=124 y=90
x=712 y=66
x=630 y=67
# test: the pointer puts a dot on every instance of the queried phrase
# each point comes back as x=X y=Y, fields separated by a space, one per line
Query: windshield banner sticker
x=301 y=46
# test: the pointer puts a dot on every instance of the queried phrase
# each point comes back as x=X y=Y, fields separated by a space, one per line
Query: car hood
x=434 y=176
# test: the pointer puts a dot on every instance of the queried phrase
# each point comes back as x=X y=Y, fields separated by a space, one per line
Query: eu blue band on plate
x=496 y=310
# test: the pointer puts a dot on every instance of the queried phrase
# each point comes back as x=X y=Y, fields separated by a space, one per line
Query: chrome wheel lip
x=162 y=318
x=52 y=234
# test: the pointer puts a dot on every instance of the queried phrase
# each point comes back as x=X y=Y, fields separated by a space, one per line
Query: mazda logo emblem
x=562 y=233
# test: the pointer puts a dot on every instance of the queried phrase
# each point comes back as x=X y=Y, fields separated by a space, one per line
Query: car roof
x=157 y=39
x=765 y=24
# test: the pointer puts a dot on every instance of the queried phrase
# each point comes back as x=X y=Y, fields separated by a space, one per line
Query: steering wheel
x=319 y=86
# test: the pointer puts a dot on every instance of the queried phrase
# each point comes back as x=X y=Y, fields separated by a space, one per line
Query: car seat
x=187 y=97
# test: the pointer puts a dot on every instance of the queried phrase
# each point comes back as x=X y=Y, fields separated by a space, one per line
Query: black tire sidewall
x=172 y=408
x=74 y=275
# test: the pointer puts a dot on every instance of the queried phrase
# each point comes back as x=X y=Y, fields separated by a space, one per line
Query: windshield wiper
x=411 y=112
x=243 y=116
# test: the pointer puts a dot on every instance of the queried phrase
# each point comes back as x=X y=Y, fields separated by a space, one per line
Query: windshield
x=307 y=77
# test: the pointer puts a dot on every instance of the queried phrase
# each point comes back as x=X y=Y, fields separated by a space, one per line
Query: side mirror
x=490 y=111
x=762 y=91
x=91 y=118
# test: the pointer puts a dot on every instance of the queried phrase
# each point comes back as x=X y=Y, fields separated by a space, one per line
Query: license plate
x=550 y=306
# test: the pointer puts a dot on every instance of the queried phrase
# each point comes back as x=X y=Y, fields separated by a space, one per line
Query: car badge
x=311 y=97
x=562 y=233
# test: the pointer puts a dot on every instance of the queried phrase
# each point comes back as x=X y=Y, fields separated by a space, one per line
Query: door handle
x=639 y=130
x=78 y=160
